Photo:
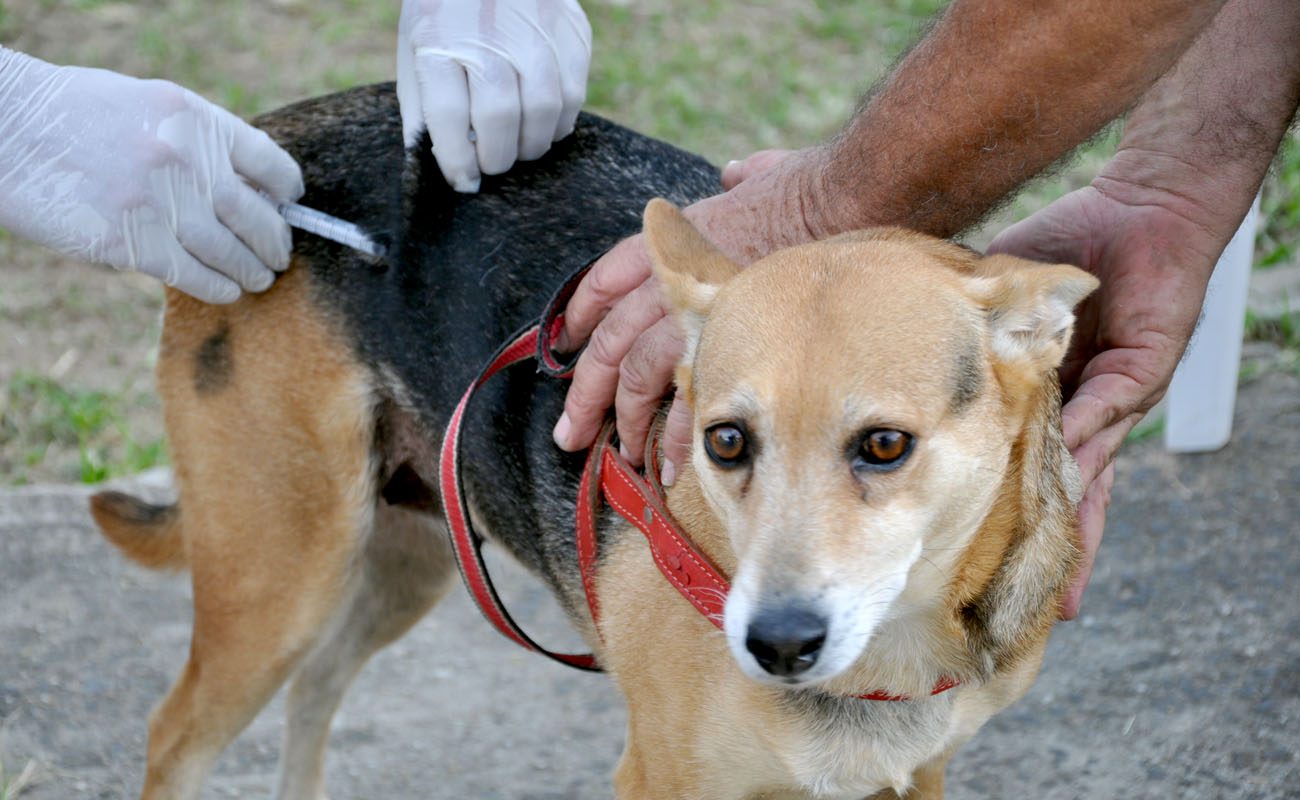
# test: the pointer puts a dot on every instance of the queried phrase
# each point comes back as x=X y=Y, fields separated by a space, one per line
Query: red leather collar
x=606 y=475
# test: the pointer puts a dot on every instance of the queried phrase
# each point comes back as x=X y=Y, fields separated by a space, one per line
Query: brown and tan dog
x=877 y=465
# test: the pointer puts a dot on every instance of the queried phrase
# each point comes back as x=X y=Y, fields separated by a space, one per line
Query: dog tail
x=147 y=534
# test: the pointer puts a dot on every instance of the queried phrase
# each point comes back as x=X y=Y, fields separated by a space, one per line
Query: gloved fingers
x=444 y=98
x=494 y=112
x=572 y=46
x=262 y=162
x=539 y=91
x=255 y=220
x=219 y=250
x=177 y=268
x=408 y=94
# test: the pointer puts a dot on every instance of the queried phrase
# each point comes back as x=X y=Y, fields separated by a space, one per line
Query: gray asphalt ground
x=1180 y=680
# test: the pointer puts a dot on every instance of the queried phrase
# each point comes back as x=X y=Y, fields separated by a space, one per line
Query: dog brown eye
x=884 y=447
x=726 y=445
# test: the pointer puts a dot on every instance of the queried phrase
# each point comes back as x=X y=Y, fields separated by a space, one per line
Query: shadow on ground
x=1181 y=679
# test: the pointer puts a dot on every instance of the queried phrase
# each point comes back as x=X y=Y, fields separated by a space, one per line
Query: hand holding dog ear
x=633 y=345
x=513 y=71
x=141 y=175
x=1154 y=265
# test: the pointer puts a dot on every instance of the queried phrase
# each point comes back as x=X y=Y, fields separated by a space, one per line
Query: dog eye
x=884 y=448
x=725 y=443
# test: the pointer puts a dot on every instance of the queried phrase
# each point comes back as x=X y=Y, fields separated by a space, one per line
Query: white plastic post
x=1198 y=416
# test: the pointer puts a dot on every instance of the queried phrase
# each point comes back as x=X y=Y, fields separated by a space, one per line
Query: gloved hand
x=142 y=175
x=515 y=71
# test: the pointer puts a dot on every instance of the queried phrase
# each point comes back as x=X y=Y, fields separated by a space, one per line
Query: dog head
x=856 y=406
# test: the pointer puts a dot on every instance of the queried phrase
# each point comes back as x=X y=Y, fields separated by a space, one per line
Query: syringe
x=328 y=227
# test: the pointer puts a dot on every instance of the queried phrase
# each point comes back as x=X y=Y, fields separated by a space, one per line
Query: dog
x=877 y=465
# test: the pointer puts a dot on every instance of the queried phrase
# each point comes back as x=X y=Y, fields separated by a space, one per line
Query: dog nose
x=786 y=642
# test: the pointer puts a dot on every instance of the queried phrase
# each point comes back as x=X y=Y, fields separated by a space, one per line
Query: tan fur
x=271 y=424
x=272 y=458
x=979 y=607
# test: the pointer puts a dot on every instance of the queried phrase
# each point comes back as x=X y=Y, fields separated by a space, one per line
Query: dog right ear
x=689 y=268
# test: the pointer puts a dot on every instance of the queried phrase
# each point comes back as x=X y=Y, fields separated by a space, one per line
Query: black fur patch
x=407 y=488
x=131 y=509
x=212 y=362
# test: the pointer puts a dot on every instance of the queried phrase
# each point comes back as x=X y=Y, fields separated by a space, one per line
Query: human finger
x=444 y=100
x=644 y=377
x=253 y=218
x=540 y=94
x=258 y=159
x=173 y=265
x=217 y=248
x=676 y=440
x=620 y=271
x=494 y=112
x=1091 y=526
x=738 y=171
x=573 y=55
x=595 y=377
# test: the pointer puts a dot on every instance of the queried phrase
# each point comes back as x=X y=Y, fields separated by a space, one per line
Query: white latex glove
x=515 y=71
x=142 y=175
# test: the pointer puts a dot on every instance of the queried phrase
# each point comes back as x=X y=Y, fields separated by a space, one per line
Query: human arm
x=141 y=175
x=991 y=95
x=513 y=71
x=1153 y=224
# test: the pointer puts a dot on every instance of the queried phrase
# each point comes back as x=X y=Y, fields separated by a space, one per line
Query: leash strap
x=466 y=543
x=636 y=499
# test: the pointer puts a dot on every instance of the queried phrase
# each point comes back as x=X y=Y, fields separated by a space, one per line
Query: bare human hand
x=1153 y=264
x=633 y=345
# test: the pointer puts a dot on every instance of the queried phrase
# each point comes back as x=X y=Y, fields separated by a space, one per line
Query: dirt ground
x=1181 y=679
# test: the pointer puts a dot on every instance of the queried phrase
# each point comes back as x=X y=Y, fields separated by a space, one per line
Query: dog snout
x=786 y=642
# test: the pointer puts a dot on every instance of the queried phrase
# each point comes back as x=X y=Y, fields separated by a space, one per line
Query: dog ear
x=1030 y=308
x=689 y=268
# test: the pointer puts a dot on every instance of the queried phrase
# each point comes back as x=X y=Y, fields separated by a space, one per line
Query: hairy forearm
x=1203 y=137
x=996 y=92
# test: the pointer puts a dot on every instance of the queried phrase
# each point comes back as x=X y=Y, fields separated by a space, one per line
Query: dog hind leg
x=407 y=568
x=252 y=625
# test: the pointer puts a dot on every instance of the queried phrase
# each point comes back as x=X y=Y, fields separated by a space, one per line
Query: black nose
x=786 y=642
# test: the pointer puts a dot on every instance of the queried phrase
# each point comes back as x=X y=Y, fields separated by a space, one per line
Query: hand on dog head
x=857 y=403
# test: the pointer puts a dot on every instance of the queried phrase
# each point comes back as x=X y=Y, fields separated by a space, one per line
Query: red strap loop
x=606 y=473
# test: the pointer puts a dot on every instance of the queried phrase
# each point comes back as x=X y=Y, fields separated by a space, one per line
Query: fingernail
x=623 y=451
x=467 y=185
x=668 y=473
x=561 y=432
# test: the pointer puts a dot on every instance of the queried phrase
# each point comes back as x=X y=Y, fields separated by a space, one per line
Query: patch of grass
x=13 y=785
x=39 y=415
x=1283 y=331
x=1145 y=429
x=1278 y=238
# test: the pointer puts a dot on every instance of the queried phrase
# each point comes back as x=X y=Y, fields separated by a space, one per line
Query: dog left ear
x=1030 y=307
x=689 y=268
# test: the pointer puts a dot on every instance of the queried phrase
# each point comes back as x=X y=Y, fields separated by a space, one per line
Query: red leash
x=606 y=474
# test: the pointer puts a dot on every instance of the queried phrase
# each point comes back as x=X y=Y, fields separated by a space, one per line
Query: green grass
x=1278 y=238
x=12 y=785
x=1146 y=429
x=1283 y=331
x=38 y=414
